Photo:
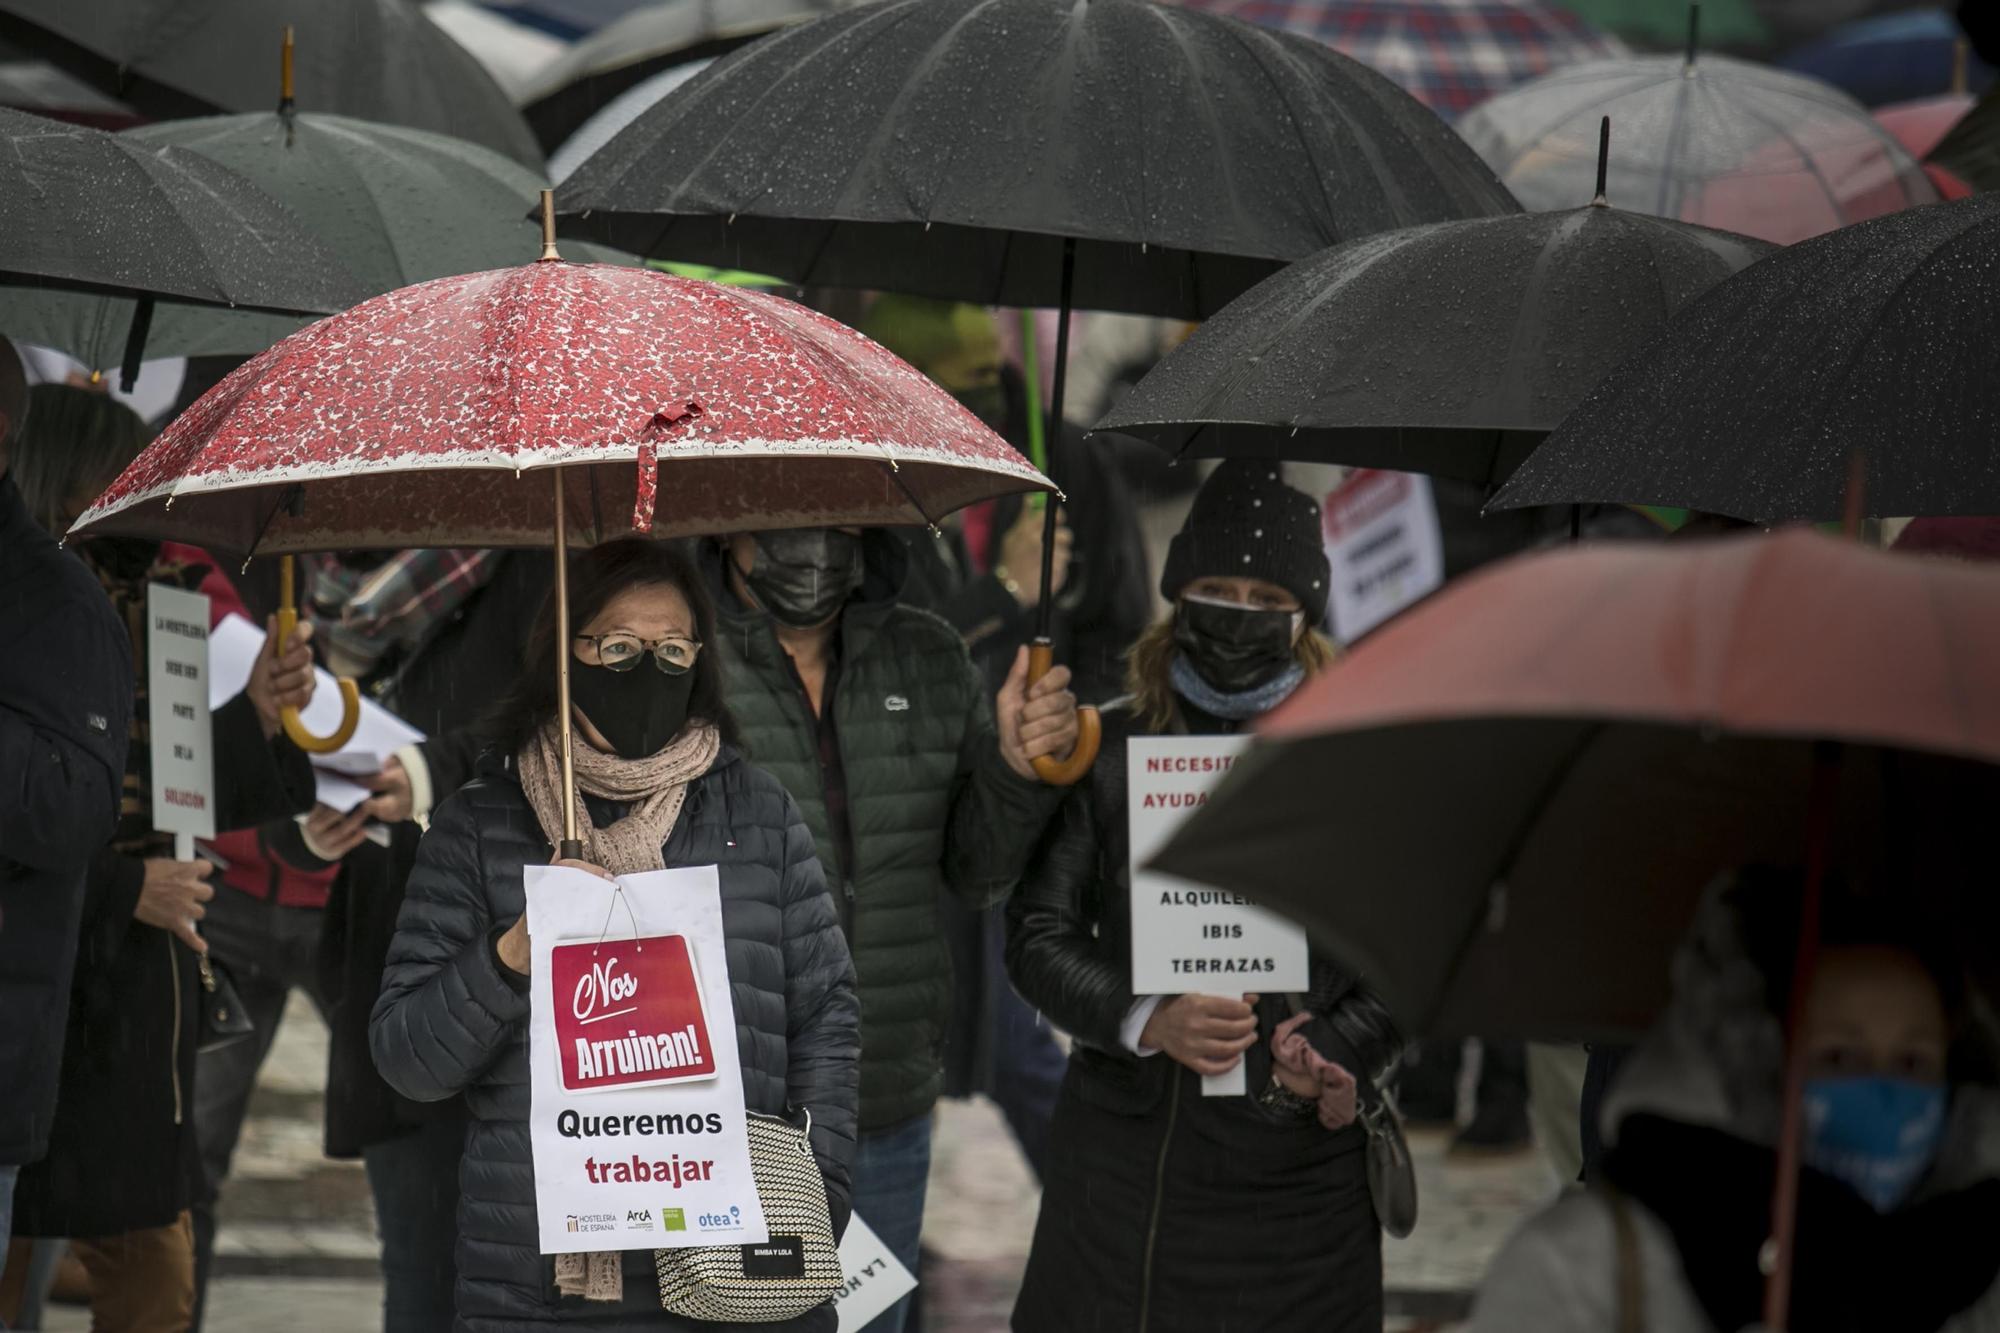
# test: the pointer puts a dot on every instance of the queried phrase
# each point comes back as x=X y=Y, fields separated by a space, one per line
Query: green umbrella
x=1663 y=24
x=396 y=205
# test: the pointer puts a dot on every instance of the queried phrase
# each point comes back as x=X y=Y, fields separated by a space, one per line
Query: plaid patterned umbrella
x=1450 y=55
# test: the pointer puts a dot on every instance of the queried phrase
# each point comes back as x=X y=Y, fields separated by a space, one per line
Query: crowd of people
x=841 y=722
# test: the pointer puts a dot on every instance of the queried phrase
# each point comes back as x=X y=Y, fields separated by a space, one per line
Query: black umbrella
x=1874 y=343
x=372 y=59
x=83 y=210
x=634 y=47
x=1451 y=349
x=1116 y=155
x=958 y=149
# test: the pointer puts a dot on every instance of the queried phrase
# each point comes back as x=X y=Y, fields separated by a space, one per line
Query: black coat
x=452 y=1019
x=445 y=689
x=123 y=1154
x=65 y=711
x=1164 y=1209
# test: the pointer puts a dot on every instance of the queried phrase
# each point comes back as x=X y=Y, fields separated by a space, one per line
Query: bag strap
x=1631 y=1276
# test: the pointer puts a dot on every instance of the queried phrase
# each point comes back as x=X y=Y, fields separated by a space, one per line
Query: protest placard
x=873 y=1279
x=1385 y=547
x=636 y=1108
x=1188 y=937
x=183 y=760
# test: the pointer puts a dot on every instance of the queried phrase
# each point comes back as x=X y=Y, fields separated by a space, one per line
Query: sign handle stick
x=183 y=846
x=1231 y=1084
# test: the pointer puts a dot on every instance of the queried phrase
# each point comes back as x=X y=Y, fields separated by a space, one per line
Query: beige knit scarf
x=655 y=789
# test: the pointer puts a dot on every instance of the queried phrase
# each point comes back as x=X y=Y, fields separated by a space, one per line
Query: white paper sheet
x=233 y=646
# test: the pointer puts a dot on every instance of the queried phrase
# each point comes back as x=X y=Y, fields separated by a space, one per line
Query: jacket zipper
x=1159 y=1199
x=174 y=968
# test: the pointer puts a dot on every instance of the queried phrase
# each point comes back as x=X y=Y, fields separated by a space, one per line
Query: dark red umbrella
x=1504 y=807
x=657 y=405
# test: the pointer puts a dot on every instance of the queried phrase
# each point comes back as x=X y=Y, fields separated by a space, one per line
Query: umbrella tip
x=1603 y=161
x=285 y=72
x=1694 y=33
x=548 y=226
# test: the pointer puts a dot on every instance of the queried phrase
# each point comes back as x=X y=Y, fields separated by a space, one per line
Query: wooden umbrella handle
x=1089 y=731
x=350 y=694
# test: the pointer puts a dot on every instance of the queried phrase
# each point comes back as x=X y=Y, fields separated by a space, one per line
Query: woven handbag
x=794 y=1271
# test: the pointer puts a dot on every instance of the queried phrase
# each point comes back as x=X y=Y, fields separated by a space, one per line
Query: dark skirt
x=1199 y=1217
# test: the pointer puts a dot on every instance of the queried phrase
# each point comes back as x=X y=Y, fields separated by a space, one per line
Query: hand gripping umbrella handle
x=1064 y=772
x=350 y=695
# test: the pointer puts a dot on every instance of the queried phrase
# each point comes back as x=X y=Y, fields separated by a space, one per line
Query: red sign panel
x=629 y=1012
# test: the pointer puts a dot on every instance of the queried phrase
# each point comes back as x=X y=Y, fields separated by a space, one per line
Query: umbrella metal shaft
x=571 y=849
x=1051 y=506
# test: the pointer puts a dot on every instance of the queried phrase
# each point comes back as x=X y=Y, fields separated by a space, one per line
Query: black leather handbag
x=224 y=1020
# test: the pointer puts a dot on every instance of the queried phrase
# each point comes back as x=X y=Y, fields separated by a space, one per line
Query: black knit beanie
x=1247 y=523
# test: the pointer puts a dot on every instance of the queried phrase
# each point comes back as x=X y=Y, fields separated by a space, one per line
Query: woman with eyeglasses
x=660 y=784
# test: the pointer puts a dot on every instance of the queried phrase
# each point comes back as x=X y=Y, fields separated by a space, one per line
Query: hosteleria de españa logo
x=629 y=1012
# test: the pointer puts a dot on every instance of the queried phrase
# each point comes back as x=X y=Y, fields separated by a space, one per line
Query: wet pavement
x=297 y=1244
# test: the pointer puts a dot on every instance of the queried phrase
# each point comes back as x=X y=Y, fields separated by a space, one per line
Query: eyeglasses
x=673 y=654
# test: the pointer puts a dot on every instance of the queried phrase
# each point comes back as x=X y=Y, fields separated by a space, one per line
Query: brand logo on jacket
x=896 y=703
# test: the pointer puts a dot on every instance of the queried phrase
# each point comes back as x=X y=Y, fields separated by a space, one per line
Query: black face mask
x=638 y=711
x=1234 y=648
x=803 y=576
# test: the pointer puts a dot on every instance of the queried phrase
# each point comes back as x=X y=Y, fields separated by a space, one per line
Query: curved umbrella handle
x=350 y=694
x=1089 y=731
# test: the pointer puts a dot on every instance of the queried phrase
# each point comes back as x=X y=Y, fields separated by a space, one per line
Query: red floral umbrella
x=409 y=419
x=659 y=405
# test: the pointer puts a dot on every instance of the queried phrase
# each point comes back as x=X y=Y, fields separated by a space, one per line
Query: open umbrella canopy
x=1504 y=806
x=1704 y=139
x=1895 y=57
x=640 y=44
x=1970 y=150
x=373 y=59
x=1921 y=126
x=409 y=420
x=396 y=206
x=1449 y=54
x=948 y=147
x=1450 y=349
x=83 y=210
x=1874 y=343
x=1730 y=25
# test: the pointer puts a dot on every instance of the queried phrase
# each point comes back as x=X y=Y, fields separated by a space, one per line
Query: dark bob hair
x=595 y=577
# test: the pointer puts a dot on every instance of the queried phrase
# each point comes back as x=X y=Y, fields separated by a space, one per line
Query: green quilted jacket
x=931 y=804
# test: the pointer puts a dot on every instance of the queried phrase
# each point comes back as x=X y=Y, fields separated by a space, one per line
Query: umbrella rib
x=1557 y=777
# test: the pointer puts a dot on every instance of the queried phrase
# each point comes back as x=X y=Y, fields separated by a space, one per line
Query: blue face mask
x=1877 y=1135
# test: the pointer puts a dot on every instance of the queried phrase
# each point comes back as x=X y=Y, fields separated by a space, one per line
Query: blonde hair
x=1149 y=663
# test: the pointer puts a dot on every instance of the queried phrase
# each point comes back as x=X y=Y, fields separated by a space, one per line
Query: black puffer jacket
x=452 y=1019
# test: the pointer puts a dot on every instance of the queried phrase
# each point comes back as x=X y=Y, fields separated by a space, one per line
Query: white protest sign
x=1385 y=546
x=873 y=1279
x=183 y=760
x=1188 y=937
x=636 y=1114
